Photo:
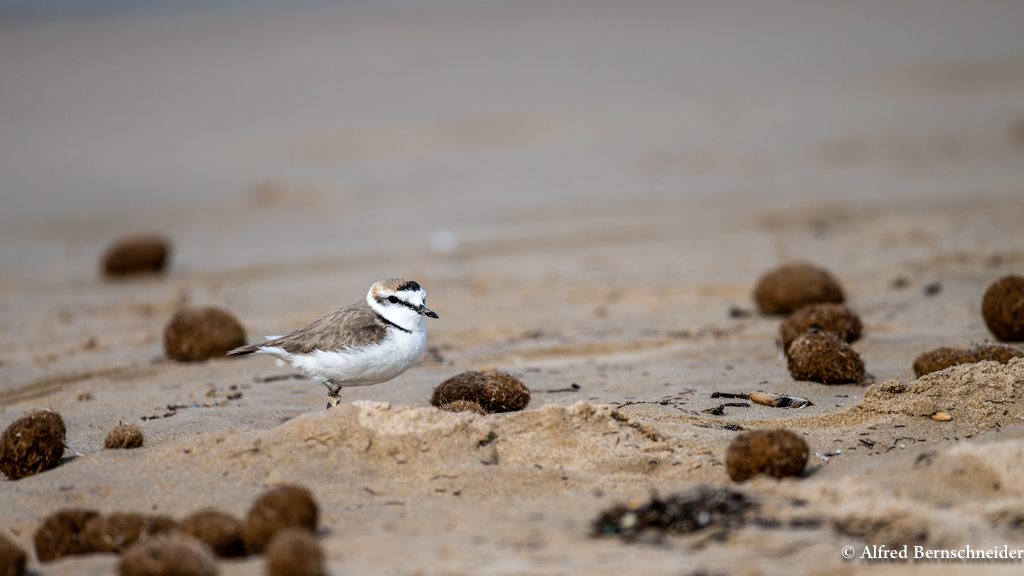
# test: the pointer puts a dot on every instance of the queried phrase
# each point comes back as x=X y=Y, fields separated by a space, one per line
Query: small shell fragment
x=779 y=401
x=942 y=416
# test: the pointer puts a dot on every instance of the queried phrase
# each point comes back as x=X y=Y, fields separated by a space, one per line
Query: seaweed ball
x=493 y=391
x=834 y=318
x=116 y=532
x=1003 y=308
x=63 y=534
x=777 y=453
x=197 y=334
x=996 y=352
x=825 y=358
x=942 y=358
x=220 y=531
x=32 y=444
x=12 y=558
x=463 y=406
x=788 y=287
x=277 y=509
x=136 y=255
x=124 y=437
x=294 y=552
x=172 y=554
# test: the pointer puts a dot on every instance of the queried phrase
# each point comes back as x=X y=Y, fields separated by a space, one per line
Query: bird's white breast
x=366 y=365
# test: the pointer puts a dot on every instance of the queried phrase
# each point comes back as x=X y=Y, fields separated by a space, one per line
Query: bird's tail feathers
x=243 y=350
x=252 y=348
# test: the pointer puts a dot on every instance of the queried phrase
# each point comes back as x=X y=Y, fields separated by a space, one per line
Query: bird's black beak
x=424 y=311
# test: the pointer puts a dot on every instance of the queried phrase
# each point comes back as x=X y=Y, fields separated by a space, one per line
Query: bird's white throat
x=400 y=314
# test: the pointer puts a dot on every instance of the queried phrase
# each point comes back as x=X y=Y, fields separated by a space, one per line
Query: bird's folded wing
x=343 y=329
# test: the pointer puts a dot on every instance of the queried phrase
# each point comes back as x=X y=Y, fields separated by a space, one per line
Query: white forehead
x=412 y=295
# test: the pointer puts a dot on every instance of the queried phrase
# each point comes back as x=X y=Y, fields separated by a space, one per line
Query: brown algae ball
x=63 y=534
x=493 y=391
x=294 y=552
x=172 y=554
x=463 y=406
x=220 y=531
x=32 y=444
x=834 y=318
x=996 y=352
x=12 y=558
x=136 y=255
x=197 y=334
x=277 y=509
x=1003 y=308
x=124 y=437
x=942 y=358
x=777 y=453
x=116 y=532
x=824 y=358
x=790 y=286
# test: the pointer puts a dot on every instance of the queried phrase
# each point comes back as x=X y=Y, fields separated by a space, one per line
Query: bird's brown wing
x=343 y=329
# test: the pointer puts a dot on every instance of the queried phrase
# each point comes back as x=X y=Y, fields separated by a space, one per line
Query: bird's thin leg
x=333 y=394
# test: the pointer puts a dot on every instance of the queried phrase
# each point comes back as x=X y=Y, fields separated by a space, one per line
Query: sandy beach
x=588 y=192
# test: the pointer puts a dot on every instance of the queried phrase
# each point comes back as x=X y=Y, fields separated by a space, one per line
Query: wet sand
x=617 y=180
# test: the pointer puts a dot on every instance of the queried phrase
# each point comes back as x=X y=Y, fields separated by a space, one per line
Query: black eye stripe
x=396 y=300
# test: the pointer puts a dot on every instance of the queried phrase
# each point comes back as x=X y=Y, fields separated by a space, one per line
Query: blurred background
x=295 y=152
x=247 y=129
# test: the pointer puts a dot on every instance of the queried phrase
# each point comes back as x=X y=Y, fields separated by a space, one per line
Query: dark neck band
x=390 y=323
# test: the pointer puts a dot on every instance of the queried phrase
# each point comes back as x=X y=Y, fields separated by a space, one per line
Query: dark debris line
x=702 y=508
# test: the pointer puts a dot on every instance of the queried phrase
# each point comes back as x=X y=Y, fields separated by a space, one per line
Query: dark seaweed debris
x=701 y=508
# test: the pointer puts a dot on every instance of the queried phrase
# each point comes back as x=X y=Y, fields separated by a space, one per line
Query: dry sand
x=618 y=178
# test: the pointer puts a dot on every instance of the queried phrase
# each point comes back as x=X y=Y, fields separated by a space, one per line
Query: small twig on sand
x=573 y=388
x=276 y=377
x=73 y=451
x=768 y=399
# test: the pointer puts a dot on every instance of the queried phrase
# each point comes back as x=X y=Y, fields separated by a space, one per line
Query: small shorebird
x=366 y=343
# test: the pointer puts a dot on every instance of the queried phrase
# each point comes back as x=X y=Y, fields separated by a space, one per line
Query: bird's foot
x=333 y=395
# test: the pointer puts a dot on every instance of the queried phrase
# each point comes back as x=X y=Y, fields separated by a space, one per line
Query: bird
x=365 y=343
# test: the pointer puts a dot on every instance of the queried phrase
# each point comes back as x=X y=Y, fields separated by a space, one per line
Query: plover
x=365 y=343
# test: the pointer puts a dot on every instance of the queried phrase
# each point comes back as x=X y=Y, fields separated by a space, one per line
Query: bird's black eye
x=393 y=299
